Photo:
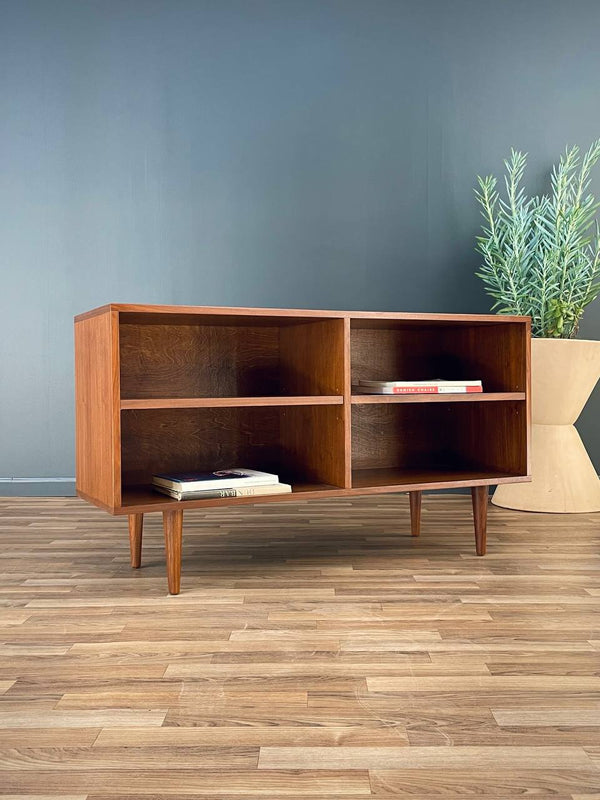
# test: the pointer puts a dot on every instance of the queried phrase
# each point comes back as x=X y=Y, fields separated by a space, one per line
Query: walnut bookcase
x=176 y=388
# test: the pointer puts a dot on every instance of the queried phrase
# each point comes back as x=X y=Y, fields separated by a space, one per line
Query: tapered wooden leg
x=415 y=512
x=173 y=527
x=136 y=524
x=479 y=495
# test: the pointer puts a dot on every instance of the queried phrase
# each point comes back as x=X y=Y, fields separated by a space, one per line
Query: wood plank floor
x=316 y=651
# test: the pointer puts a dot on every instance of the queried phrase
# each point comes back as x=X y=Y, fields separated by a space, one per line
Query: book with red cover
x=420 y=387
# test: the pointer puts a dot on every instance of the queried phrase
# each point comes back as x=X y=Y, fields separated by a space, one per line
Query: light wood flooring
x=316 y=651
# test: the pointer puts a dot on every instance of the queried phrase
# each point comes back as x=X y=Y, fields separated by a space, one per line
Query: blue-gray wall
x=315 y=153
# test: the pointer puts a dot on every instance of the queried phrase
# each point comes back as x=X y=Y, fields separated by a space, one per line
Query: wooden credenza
x=177 y=388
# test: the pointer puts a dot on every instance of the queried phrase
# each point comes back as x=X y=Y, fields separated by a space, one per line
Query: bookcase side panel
x=347 y=404
x=314 y=361
x=97 y=416
x=527 y=343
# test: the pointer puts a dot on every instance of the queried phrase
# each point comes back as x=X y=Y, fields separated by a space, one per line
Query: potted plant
x=541 y=258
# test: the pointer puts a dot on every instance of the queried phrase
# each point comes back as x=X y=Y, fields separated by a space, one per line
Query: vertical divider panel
x=312 y=442
x=312 y=357
x=314 y=362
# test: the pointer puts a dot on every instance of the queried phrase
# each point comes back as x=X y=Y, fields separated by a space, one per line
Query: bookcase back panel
x=489 y=436
x=200 y=360
x=300 y=444
x=385 y=436
x=197 y=439
x=492 y=353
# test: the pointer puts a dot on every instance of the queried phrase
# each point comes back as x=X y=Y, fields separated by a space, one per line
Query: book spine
x=433 y=389
x=210 y=494
x=459 y=389
x=207 y=494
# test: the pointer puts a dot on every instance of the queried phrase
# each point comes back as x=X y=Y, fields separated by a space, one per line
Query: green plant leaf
x=541 y=254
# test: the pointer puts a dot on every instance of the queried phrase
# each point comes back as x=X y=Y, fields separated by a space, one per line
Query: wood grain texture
x=414 y=500
x=506 y=757
x=480 y=499
x=230 y=402
x=130 y=311
x=476 y=397
x=136 y=524
x=318 y=650
x=97 y=418
x=173 y=527
x=199 y=361
x=312 y=358
x=347 y=404
x=313 y=444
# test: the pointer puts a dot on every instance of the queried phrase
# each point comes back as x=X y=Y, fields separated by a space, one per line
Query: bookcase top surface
x=292 y=313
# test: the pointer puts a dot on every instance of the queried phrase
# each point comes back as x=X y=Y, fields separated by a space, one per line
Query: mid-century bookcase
x=178 y=388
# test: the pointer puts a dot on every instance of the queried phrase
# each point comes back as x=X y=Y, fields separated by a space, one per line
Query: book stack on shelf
x=419 y=387
x=234 y=482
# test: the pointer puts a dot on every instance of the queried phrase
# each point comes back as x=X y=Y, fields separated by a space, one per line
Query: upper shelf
x=229 y=402
x=467 y=397
x=142 y=403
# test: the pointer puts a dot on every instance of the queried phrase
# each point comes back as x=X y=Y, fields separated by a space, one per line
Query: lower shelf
x=143 y=499
x=140 y=499
x=448 y=477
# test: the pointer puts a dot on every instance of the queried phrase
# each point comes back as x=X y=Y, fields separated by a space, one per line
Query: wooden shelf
x=229 y=402
x=141 y=499
x=472 y=397
x=446 y=478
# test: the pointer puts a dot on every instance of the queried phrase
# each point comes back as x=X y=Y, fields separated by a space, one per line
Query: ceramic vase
x=563 y=375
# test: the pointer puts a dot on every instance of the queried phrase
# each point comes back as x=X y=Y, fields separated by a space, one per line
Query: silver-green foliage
x=541 y=254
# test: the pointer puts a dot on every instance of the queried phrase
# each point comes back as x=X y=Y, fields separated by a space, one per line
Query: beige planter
x=563 y=374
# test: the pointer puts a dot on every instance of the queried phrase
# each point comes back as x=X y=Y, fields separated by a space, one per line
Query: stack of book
x=234 y=482
x=418 y=387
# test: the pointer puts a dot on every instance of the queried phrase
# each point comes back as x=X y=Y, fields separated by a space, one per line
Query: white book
x=219 y=479
x=408 y=384
x=242 y=491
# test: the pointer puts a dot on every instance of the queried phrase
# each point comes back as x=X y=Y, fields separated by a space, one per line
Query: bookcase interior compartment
x=385 y=350
x=440 y=442
x=303 y=445
x=230 y=356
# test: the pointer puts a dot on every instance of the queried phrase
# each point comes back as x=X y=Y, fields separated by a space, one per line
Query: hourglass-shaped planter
x=563 y=375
